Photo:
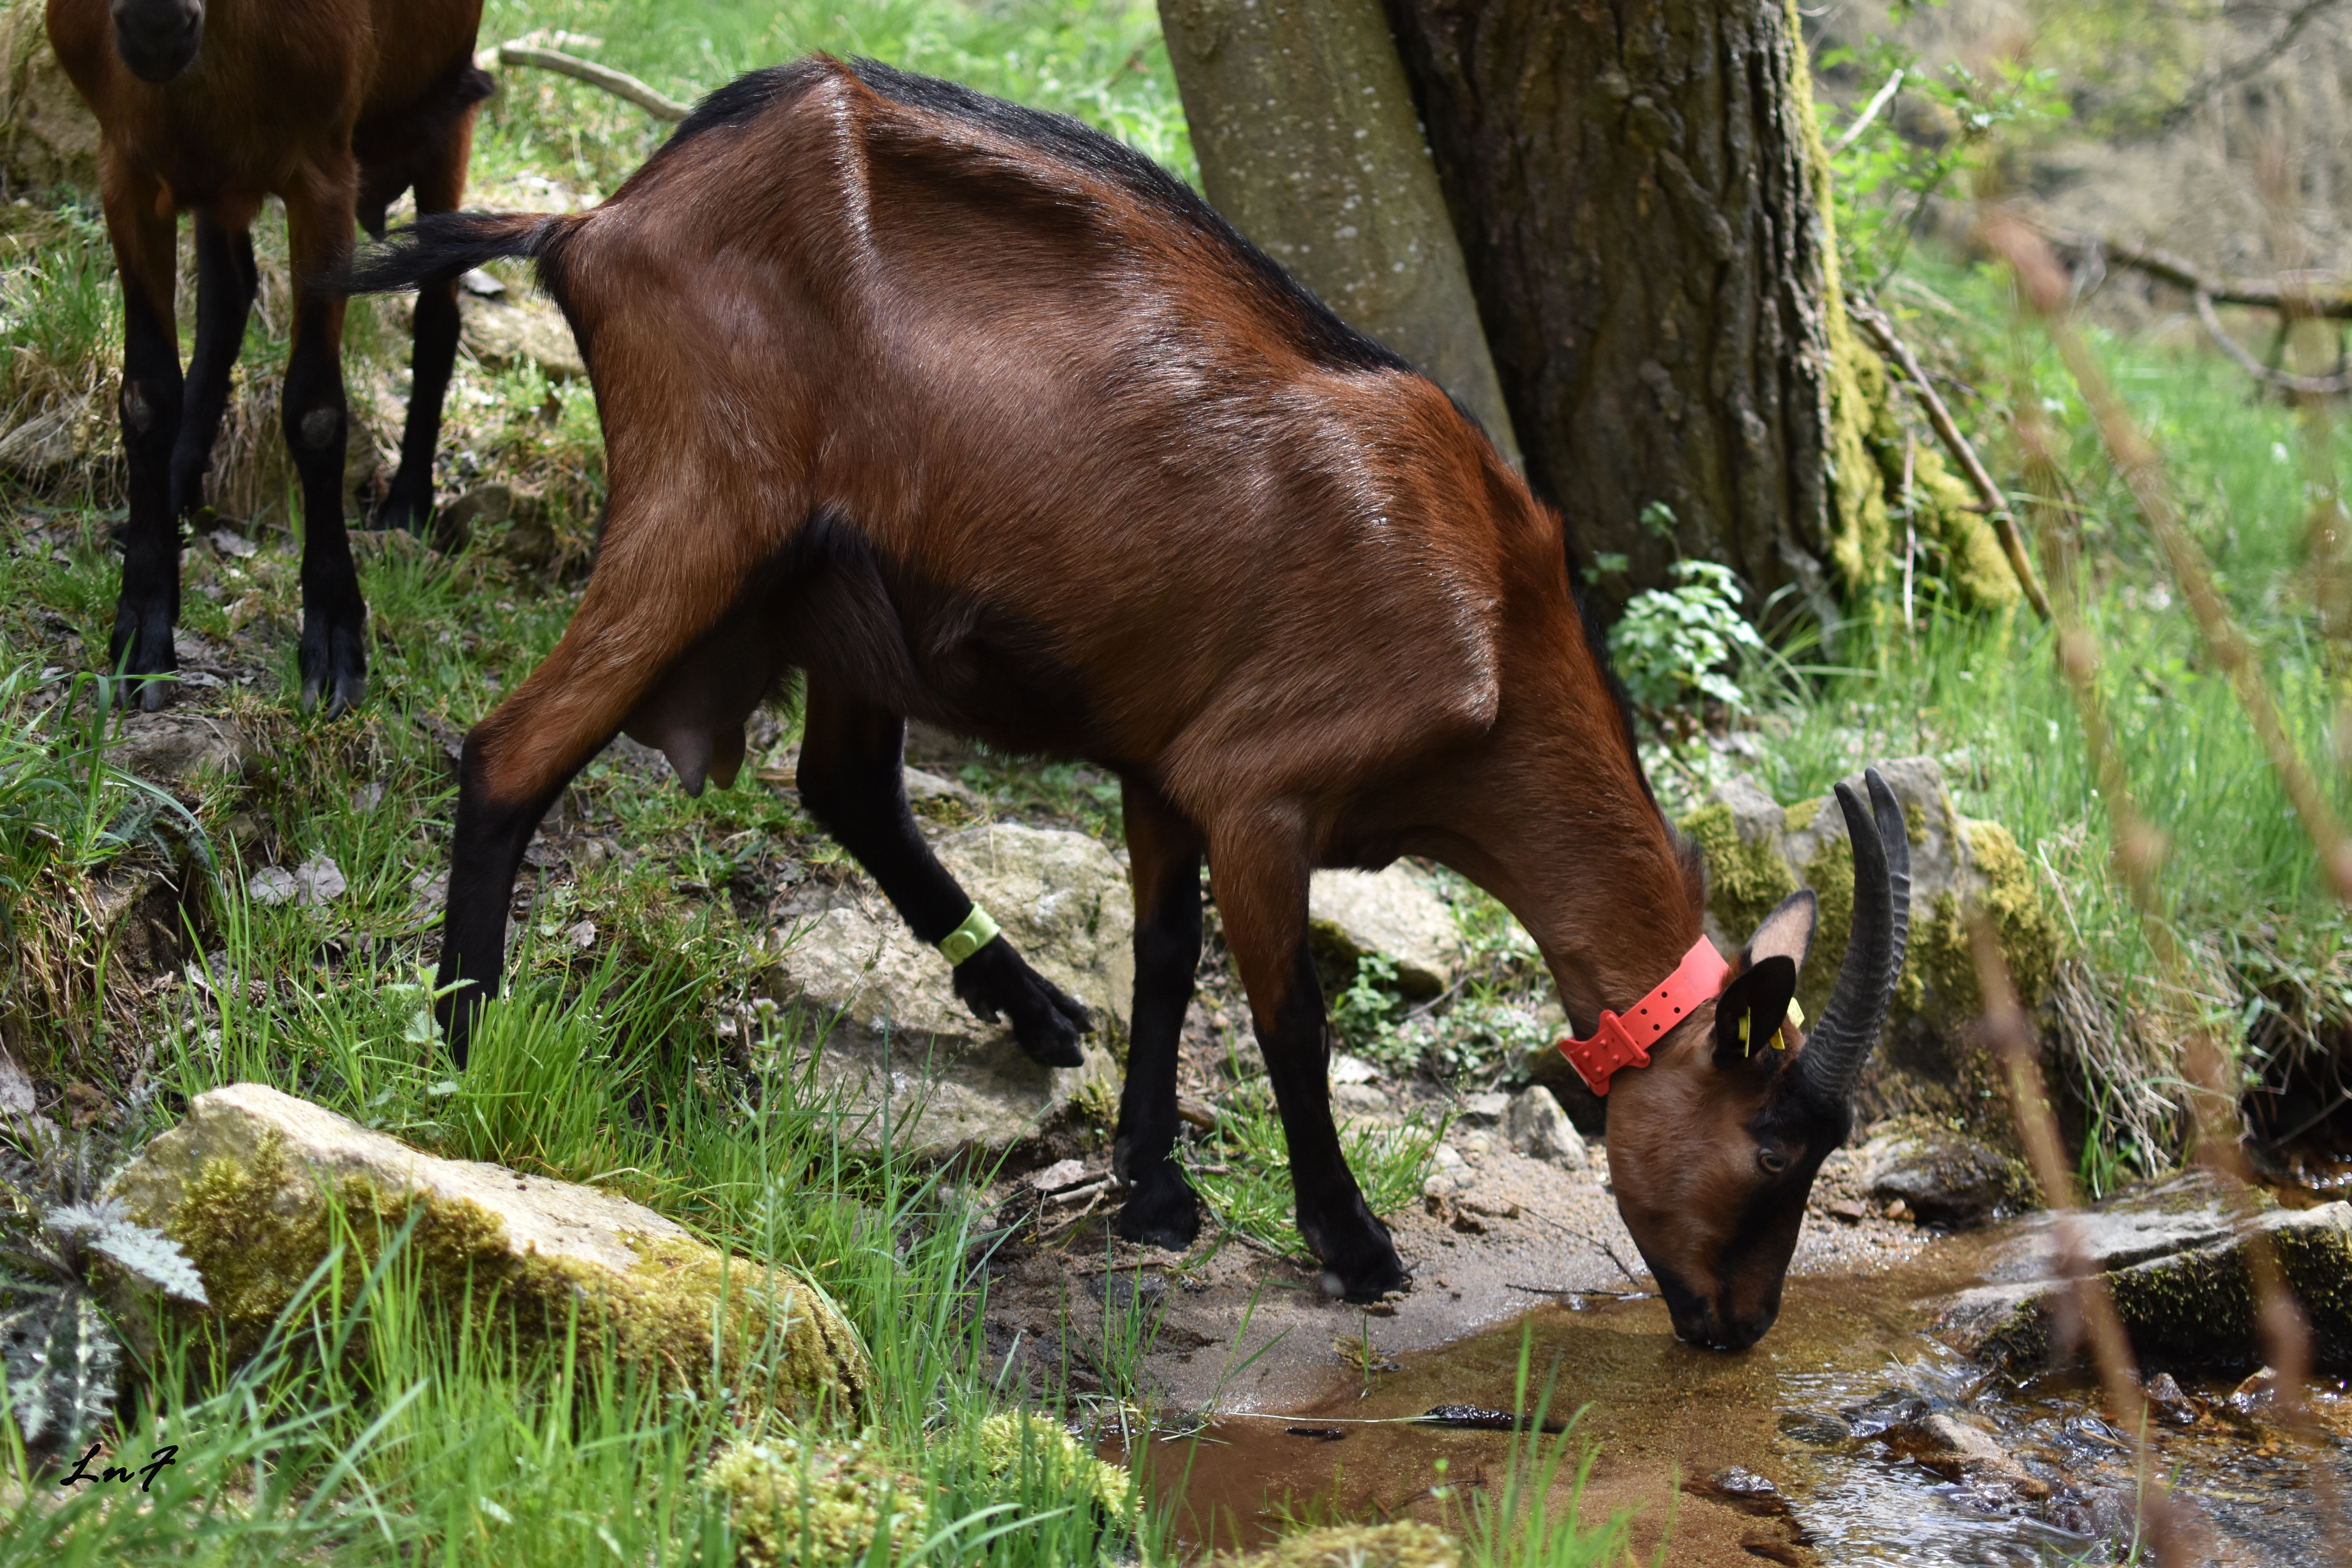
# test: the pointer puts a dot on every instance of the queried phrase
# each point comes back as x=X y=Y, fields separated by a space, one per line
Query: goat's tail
x=439 y=246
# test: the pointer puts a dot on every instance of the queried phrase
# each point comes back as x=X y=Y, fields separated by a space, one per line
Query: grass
x=377 y=1424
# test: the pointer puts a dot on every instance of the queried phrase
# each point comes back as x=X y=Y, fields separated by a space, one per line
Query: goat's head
x=1712 y=1148
x=158 y=39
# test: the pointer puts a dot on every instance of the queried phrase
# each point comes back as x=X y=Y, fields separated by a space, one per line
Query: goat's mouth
x=158 y=41
x=1698 y=1322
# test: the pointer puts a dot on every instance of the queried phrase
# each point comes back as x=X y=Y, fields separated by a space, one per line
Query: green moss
x=1011 y=1443
x=1830 y=876
x=1399 y=1545
x=1744 y=882
x=792 y=1501
x=1914 y=824
x=1800 y=816
x=255 y=1228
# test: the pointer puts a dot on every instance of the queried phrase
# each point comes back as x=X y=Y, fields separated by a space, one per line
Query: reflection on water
x=1880 y=1445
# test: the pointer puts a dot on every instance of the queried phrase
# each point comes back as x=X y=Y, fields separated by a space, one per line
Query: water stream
x=1832 y=1442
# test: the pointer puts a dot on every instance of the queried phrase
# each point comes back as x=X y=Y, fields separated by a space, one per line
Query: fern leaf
x=25 y=1350
x=154 y=1259
x=70 y=1222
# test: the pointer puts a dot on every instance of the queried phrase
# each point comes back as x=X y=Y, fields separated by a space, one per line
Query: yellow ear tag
x=1796 y=1021
x=1745 y=1050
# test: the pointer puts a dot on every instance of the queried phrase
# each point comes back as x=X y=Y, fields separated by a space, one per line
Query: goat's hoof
x=142 y=649
x=334 y=665
x=1162 y=1212
x=1363 y=1267
x=997 y=981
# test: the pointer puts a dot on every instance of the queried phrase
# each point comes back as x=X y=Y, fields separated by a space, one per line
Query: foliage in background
x=1676 y=648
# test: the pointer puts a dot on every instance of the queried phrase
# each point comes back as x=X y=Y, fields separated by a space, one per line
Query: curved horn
x=1832 y=1062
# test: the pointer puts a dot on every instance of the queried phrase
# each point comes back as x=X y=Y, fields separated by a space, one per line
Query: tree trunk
x=1305 y=136
x=1633 y=183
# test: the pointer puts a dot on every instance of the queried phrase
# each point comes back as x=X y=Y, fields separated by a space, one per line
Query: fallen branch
x=2298 y=295
x=2311 y=385
x=1996 y=506
x=620 y=84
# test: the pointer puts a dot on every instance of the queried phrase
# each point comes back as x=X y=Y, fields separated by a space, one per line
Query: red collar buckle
x=1624 y=1042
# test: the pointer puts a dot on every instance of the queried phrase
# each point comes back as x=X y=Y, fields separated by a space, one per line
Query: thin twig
x=2307 y=297
x=1996 y=506
x=1869 y=112
x=620 y=84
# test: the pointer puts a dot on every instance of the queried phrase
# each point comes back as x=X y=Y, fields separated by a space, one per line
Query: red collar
x=1626 y=1042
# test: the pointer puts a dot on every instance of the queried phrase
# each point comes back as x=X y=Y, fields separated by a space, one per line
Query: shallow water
x=1820 y=1410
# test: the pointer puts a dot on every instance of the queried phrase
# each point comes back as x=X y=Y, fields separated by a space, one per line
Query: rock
x=1346 y=1068
x=929 y=746
x=1393 y=914
x=2174 y=1259
x=1399 y=1545
x=886 y=1009
x=530 y=538
x=1486 y=1107
x=1449 y=1173
x=174 y=747
x=272 y=885
x=1943 y=1177
x=1536 y=1127
x=505 y=333
x=245 y=1184
x=922 y=786
x=52 y=442
x=1941 y=1441
x=1758 y=854
x=47 y=135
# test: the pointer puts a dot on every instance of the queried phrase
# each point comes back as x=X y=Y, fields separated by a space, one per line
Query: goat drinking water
x=975 y=415
x=336 y=107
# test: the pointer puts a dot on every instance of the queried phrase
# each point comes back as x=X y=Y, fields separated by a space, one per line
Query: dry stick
x=2309 y=386
x=1996 y=506
x=2303 y=294
x=2280 y=1324
x=2037 y=1126
x=620 y=84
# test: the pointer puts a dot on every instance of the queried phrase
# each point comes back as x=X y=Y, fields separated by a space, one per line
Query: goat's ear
x=1788 y=931
x=1748 y=1013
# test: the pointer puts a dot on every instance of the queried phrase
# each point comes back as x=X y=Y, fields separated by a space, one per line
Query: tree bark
x=1307 y=140
x=1632 y=184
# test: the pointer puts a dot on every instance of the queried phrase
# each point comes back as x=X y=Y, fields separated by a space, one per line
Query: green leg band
x=976 y=932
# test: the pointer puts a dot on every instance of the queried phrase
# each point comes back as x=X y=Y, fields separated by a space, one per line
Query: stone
x=176 y=747
x=1393 y=914
x=272 y=885
x=1536 y=1127
x=897 y=1044
x=530 y=536
x=505 y=333
x=47 y=135
x=50 y=443
x=922 y=786
x=2174 y=1259
x=1486 y=1106
x=1449 y=1173
x=1928 y=1061
x=1943 y=1177
x=255 y=1185
x=1346 y=1068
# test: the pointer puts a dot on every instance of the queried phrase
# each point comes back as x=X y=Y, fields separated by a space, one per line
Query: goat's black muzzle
x=158 y=39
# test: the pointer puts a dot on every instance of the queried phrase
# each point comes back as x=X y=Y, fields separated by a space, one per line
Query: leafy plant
x=1675 y=647
x=59 y=1350
x=1364 y=1016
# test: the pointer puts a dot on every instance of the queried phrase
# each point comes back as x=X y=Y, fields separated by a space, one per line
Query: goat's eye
x=1773 y=1160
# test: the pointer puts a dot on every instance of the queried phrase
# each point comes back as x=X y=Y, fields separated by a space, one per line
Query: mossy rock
x=1758 y=852
x=257 y=1186
x=1403 y=1544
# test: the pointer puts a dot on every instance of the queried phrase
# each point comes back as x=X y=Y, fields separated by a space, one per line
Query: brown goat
x=335 y=107
x=975 y=415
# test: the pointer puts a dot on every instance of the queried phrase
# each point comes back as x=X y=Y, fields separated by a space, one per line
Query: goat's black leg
x=485 y=855
x=1261 y=882
x=333 y=649
x=1164 y=855
x=439 y=189
x=227 y=280
x=145 y=255
x=852 y=781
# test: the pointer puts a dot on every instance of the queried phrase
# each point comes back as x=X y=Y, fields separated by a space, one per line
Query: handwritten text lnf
x=155 y=1464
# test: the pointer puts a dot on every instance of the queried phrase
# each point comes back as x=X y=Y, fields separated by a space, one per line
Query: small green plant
x=1675 y=648
x=1364 y=1016
x=60 y=1349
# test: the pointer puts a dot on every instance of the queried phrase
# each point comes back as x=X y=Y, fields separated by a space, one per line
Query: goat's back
x=1051 y=393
